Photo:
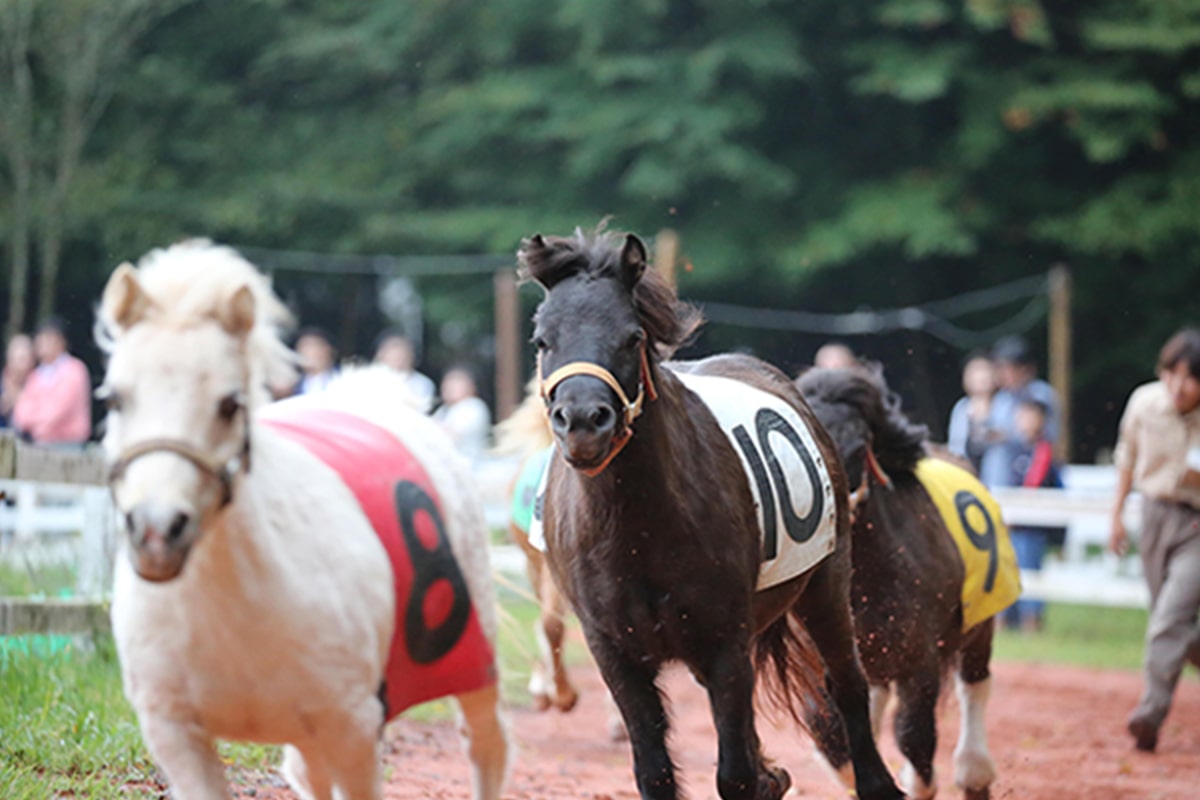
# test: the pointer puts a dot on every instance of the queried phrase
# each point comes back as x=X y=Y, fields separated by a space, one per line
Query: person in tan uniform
x=1158 y=455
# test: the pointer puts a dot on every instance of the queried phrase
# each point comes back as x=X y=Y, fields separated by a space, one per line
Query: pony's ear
x=633 y=261
x=533 y=258
x=236 y=315
x=124 y=302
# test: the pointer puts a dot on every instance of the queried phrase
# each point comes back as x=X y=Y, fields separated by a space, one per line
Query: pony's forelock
x=669 y=322
x=188 y=283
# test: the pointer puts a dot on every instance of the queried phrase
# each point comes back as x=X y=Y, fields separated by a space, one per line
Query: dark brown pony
x=907 y=584
x=655 y=539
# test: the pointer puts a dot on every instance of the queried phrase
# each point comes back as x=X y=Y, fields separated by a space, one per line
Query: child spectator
x=1034 y=467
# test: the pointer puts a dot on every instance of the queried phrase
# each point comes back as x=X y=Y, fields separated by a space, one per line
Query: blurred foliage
x=824 y=155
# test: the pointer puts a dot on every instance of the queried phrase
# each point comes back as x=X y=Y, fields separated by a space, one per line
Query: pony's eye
x=635 y=340
x=229 y=406
x=540 y=343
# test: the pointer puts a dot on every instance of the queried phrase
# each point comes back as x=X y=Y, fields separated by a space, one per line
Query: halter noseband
x=224 y=472
x=631 y=410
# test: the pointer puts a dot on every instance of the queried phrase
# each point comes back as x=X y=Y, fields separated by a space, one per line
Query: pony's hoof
x=541 y=702
x=977 y=794
x=773 y=783
x=565 y=701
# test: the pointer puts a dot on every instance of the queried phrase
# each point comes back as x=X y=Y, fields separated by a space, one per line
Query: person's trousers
x=1030 y=547
x=1170 y=548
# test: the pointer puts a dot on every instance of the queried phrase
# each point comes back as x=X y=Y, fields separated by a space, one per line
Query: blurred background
x=384 y=159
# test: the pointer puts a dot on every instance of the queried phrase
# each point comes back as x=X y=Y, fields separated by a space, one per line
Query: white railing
x=1085 y=573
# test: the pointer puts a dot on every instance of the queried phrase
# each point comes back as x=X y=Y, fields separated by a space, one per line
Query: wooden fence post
x=666 y=253
x=1060 y=353
x=508 y=343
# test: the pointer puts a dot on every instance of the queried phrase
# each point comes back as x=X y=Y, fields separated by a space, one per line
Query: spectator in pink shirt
x=54 y=406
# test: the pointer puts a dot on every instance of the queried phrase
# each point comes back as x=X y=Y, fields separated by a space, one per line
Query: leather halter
x=224 y=472
x=631 y=410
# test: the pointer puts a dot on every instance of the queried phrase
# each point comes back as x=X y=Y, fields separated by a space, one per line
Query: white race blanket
x=787 y=475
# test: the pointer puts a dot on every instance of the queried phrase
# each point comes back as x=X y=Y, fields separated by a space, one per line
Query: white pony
x=259 y=595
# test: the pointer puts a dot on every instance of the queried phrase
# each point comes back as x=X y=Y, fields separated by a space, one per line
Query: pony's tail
x=526 y=430
x=791 y=673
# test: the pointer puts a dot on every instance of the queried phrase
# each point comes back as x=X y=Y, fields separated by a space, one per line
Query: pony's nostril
x=559 y=419
x=178 y=525
x=603 y=418
x=130 y=523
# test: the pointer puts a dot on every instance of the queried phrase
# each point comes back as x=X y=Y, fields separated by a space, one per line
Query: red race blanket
x=439 y=647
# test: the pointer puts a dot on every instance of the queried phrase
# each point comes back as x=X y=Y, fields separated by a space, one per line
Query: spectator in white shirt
x=395 y=350
x=318 y=361
x=463 y=414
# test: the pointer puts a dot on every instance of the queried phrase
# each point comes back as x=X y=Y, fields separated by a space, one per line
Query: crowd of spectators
x=46 y=392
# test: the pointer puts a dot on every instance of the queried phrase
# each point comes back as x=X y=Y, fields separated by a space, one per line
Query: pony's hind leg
x=974 y=769
x=880 y=694
x=916 y=730
x=824 y=611
x=307 y=777
x=483 y=726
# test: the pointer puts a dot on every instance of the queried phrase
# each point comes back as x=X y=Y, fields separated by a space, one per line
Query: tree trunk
x=16 y=131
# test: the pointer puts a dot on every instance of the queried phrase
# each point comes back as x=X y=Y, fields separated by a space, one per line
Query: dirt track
x=1057 y=733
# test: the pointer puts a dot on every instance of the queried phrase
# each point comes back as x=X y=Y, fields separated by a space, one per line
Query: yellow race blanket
x=993 y=580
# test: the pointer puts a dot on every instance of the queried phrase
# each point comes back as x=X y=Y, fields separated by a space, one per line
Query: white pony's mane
x=188 y=282
x=527 y=429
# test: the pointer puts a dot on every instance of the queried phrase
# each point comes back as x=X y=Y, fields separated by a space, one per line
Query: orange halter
x=631 y=410
x=871 y=469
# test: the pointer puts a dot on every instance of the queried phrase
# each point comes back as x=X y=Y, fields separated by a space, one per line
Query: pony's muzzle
x=161 y=536
x=584 y=429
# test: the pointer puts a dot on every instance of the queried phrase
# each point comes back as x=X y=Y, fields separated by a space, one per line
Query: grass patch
x=1079 y=635
x=27 y=580
x=65 y=726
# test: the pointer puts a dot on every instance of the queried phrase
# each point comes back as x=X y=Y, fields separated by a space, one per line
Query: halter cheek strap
x=631 y=410
x=871 y=469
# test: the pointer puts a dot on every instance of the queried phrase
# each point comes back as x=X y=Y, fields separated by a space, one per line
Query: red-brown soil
x=1057 y=733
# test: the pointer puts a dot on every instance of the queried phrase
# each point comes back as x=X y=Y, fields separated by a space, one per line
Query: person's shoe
x=1144 y=733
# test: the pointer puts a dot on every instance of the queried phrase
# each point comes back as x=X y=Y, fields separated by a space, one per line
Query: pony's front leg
x=186 y=753
x=551 y=635
x=349 y=745
x=483 y=725
x=633 y=688
x=741 y=773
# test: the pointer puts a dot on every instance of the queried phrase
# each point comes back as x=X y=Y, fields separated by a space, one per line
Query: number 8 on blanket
x=435 y=571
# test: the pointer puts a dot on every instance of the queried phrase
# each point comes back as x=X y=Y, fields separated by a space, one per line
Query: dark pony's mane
x=669 y=322
x=898 y=444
